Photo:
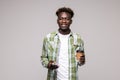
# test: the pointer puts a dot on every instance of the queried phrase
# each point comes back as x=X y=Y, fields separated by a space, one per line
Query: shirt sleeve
x=44 y=56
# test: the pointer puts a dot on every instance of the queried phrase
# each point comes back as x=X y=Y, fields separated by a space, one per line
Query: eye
x=59 y=18
x=67 y=18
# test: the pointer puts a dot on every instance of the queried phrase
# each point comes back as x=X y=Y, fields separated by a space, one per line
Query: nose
x=63 y=20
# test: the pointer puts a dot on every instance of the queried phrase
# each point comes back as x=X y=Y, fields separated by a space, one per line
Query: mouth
x=63 y=25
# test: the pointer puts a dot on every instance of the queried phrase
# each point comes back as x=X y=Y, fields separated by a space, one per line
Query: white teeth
x=63 y=24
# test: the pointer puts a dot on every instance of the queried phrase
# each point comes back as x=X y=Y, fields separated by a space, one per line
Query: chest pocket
x=78 y=43
x=52 y=48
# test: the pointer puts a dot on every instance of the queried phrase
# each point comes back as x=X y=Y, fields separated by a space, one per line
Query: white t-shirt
x=62 y=71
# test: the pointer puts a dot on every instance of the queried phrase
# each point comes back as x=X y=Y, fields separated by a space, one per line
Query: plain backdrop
x=24 y=23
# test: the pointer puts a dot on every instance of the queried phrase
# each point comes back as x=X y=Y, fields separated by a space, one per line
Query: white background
x=24 y=23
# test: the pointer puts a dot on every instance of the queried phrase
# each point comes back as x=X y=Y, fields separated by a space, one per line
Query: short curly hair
x=65 y=9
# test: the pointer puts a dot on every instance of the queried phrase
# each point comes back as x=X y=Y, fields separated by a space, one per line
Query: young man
x=63 y=50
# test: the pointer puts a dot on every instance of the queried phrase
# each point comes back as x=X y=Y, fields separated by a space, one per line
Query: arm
x=80 y=54
x=81 y=58
x=44 y=56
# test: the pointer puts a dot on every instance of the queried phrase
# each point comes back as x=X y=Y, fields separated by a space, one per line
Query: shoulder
x=50 y=35
x=76 y=35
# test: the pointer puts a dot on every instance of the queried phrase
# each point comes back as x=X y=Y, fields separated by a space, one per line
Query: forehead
x=64 y=14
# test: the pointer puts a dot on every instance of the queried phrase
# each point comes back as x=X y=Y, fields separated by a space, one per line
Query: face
x=64 y=20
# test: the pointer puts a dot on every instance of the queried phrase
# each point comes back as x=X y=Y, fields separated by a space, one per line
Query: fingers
x=79 y=55
x=52 y=65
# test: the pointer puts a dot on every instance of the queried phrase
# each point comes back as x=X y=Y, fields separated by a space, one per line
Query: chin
x=64 y=29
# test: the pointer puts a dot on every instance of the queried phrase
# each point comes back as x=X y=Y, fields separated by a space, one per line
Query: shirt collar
x=56 y=33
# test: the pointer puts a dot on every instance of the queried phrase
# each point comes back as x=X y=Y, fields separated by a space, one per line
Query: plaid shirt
x=51 y=49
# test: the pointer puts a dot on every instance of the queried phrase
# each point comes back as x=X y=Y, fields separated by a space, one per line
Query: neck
x=64 y=32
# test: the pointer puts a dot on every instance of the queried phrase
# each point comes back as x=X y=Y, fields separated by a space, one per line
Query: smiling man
x=63 y=50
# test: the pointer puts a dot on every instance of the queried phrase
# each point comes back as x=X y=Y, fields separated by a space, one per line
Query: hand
x=80 y=57
x=52 y=65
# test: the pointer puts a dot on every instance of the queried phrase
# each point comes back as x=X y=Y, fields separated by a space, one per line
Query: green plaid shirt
x=50 y=51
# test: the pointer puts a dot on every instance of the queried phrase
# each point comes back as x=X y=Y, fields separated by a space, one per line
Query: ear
x=71 y=21
x=57 y=20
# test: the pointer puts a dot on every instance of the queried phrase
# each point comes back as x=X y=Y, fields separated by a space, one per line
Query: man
x=63 y=50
